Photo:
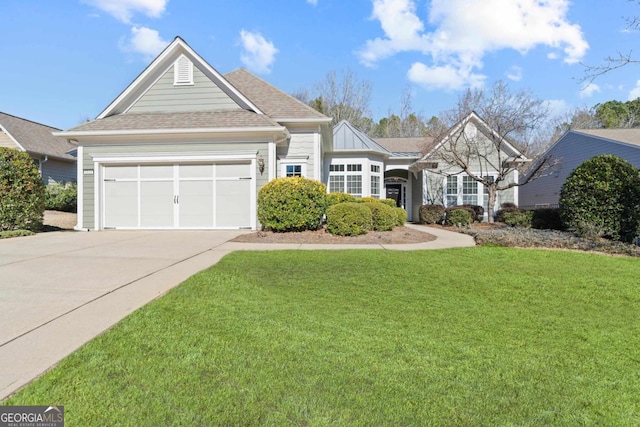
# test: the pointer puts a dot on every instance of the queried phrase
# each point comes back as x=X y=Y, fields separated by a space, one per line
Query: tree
x=21 y=191
x=407 y=124
x=341 y=96
x=512 y=120
x=617 y=114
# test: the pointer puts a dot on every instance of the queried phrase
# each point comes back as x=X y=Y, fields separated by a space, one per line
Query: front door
x=394 y=191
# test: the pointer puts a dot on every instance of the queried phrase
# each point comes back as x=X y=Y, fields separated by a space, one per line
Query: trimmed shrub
x=383 y=216
x=335 y=198
x=389 y=202
x=349 y=219
x=546 y=219
x=459 y=217
x=61 y=197
x=602 y=196
x=401 y=216
x=367 y=200
x=292 y=204
x=518 y=218
x=468 y=208
x=508 y=205
x=21 y=192
x=478 y=211
x=431 y=214
x=506 y=210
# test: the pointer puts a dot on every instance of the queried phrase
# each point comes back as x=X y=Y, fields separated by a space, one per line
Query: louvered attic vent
x=183 y=71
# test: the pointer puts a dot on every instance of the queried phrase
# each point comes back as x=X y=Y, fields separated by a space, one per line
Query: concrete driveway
x=75 y=285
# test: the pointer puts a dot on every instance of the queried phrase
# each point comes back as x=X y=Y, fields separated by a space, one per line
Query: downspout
x=45 y=160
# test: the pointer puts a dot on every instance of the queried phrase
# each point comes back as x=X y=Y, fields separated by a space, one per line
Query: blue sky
x=65 y=60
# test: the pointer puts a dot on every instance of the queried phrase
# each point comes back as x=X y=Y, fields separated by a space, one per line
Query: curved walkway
x=59 y=290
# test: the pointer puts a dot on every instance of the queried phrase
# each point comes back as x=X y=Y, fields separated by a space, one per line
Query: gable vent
x=183 y=71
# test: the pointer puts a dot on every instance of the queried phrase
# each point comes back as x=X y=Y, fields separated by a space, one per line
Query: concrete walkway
x=59 y=290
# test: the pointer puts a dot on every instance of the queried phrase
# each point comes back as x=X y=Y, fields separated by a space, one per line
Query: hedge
x=401 y=216
x=431 y=214
x=335 y=198
x=383 y=216
x=459 y=217
x=61 y=197
x=349 y=219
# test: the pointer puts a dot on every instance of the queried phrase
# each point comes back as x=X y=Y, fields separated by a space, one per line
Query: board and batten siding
x=301 y=146
x=88 y=181
x=568 y=153
x=164 y=96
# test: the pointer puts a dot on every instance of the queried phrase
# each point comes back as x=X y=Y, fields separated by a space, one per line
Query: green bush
x=401 y=216
x=459 y=217
x=335 y=198
x=383 y=216
x=518 y=218
x=431 y=214
x=21 y=192
x=478 y=211
x=389 y=202
x=546 y=219
x=506 y=210
x=367 y=200
x=349 y=219
x=468 y=208
x=602 y=196
x=61 y=197
x=292 y=204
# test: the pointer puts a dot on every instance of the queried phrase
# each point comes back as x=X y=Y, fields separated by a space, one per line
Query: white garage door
x=157 y=196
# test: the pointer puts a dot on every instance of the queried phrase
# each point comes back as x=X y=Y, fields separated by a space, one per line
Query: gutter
x=186 y=131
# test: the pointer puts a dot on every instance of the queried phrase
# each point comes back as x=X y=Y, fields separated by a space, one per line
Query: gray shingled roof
x=406 y=146
x=187 y=120
x=347 y=138
x=269 y=99
x=35 y=137
x=628 y=136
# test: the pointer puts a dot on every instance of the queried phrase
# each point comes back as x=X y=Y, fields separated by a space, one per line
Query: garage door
x=165 y=196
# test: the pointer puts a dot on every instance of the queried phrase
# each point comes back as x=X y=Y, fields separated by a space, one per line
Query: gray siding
x=6 y=141
x=301 y=145
x=568 y=153
x=58 y=172
x=203 y=95
x=413 y=211
x=261 y=149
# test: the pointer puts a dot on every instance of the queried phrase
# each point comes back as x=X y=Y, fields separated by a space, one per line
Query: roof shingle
x=628 y=136
x=35 y=137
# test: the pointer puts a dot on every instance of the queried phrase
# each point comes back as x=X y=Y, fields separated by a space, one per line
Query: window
x=452 y=190
x=469 y=191
x=336 y=168
x=354 y=185
x=293 y=170
x=354 y=168
x=182 y=71
x=375 y=168
x=375 y=186
x=336 y=184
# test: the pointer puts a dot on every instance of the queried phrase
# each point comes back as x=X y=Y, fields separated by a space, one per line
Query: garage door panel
x=156 y=172
x=156 y=204
x=121 y=210
x=196 y=171
x=233 y=207
x=121 y=172
x=196 y=204
x=233 y=170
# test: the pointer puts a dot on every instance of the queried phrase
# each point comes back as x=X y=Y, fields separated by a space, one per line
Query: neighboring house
x=571 y=150
x=185 y=147
x=50 y=153
x=412 y=170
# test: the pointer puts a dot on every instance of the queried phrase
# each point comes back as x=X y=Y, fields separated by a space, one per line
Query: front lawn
x=475 y=337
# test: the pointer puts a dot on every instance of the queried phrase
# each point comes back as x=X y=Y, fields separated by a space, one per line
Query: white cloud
x=465 y=30
x=313 y=2
x=635 y=92
x=557 y=107
x=515 y=73
x=443 y=77
x=589 y=90
x=123 y=10
x=259 y=53
x=144 y=41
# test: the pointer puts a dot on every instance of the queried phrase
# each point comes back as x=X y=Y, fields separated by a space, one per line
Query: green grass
x=469 y=337
x=8 y=234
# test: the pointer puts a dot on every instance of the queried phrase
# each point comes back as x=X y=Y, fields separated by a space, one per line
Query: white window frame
x=345 y=165
x=293 y=162
x=481 y=196
x=376 y=171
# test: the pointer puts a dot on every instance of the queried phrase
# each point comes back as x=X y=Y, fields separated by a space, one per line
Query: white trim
x=309 y=120
x=253 y=202
x=173 y=157
x=317 y=161
x=76 y=134
x=285 y=163
x=80 y=184
x=97 y=195
x=177 y=65
x=272 y=160
x=516 y=193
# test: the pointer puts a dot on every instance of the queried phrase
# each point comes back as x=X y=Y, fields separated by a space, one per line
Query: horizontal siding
x=57 y=172
x=567 y=154
x=6 y=141
x=203 y=95
x=261 y=149
x=300 y=145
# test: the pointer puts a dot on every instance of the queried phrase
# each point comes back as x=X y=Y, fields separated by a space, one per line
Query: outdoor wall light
x=261 y=165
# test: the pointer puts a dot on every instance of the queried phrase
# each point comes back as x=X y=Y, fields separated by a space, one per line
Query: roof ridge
x=30 y=121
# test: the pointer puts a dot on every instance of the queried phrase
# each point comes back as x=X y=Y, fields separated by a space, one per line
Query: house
x=52 y=154
x=571 y=150
x=185 y=147
x=415 y=171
